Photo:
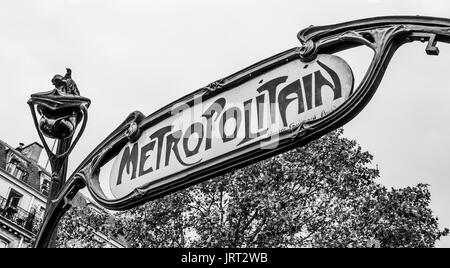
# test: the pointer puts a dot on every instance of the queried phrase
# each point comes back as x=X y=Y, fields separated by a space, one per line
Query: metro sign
x=278 y=104
x=257 y=114
x=273 y=106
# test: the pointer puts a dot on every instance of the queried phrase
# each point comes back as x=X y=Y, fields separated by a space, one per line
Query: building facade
x=24 y=187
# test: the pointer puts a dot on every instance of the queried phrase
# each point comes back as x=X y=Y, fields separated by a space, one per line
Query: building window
x=4 y=243
x=45 y=184
x=30 y=219
x=16 y=171
x=13 y=198
x=11 y=167
x=41 y=212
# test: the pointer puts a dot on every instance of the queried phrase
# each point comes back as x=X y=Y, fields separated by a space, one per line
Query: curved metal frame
x=58 y=160
x=73 y=144
x=384 y=35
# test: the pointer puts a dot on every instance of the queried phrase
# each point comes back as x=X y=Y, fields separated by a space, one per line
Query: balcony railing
x=18 y=216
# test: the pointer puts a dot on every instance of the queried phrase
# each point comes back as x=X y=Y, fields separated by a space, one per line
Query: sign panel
x=275 y=105
x=258 y=112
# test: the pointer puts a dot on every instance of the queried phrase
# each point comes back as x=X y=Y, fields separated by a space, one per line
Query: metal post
x=59 y=174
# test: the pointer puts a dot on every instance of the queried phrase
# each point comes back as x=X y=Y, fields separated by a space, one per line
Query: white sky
x=141 y=55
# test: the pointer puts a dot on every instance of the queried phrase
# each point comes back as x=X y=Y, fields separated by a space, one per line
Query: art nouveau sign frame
x=383 y=35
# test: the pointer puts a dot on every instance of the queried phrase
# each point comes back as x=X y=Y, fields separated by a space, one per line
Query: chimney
x=20 y=148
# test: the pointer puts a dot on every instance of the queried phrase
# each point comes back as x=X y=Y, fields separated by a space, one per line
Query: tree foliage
x=324 y=194
x=80 y=226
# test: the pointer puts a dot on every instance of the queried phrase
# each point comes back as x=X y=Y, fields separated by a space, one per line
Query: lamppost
x=61 y=110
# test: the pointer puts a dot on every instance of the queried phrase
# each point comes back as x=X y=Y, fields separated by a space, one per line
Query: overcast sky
x=141 y=55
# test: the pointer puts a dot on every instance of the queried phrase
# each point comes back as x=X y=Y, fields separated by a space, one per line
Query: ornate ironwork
x=62 y=110
x=383 y=35
x=65 y=84
x=18 y=216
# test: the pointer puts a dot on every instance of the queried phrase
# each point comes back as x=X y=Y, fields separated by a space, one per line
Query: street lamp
x=61 y=111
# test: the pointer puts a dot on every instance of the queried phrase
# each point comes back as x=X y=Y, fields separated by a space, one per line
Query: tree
x=324 y=194
x=78 y=227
